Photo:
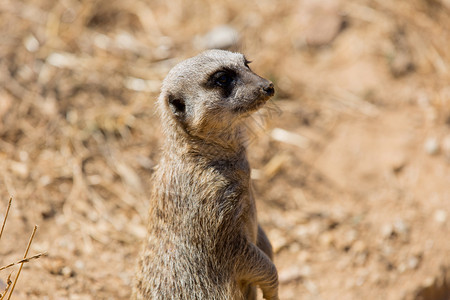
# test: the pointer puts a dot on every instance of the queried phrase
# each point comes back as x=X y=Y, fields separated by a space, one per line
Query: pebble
x=360 y=259
x=67 y=272
x=220 y=37
x=431 y=146
x=278 y=240
x=31 y=43
x=387 y=230
x=63 y=60
x=20 y=169
x=142 y=85
x=326 y=239
x=413 y=262
x=386 y=250
x=324 y=30
x=293 y=273
x=323 y=22
x=359 y=246
x=79 y=264
x=350 y=236
x=440 y=216
x=401 y=268
x=310 y=286
x=360 y=280
x=401 y=227
x=397 y=162
x=304 y=256
x=428 y=282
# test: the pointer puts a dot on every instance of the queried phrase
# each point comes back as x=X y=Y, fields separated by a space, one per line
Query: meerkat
x=203 y=240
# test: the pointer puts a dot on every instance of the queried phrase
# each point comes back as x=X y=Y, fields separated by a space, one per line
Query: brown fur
x=203 y=239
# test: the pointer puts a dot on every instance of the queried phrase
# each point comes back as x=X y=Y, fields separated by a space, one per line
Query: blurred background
x=351 y=159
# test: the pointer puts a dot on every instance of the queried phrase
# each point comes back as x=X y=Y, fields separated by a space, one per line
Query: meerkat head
x=208 y=94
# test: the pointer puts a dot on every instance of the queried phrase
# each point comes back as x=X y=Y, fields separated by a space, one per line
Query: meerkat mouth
x=253 y=106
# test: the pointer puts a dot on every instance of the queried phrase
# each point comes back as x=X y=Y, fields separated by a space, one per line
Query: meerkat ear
x=177 y=106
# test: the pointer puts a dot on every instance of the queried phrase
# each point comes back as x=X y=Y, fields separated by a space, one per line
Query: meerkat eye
x=223 y=79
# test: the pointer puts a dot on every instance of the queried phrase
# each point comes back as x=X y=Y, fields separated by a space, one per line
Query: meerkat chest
x=235 y=192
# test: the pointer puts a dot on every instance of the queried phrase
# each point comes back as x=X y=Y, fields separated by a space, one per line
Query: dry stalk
x=25 y=260
x=24 y=257
x=6 y=216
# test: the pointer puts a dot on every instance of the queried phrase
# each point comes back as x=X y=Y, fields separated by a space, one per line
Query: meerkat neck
x=226 y=145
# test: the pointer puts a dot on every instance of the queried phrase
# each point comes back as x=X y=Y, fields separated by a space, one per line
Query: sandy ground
x=351 y=159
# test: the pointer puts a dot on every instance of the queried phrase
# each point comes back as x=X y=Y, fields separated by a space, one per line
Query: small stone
x=31 y=43
x=386 y=250
x=278 y=240
x=141 y=85
x=428 y=282
x=360 y=259
x=20 y=169
x=326 y=239
x=359 y=246
x=413 y=262
x=431 y=146
x=23 y=156
x=401 y=268
x=293 y=273
x=440 y=216
x=221 y=37
x=350 y=283
x=387 y=230
x=304 y=256
x=62 y=60
x=375 y=277
x=350 y=236
x=294 y=247
x=310 y=286
x=323 y=21
x=79 y=264
x=401 y=227
x=360 y=280
x=67 y=272
x=344 y=263
x=397 y=162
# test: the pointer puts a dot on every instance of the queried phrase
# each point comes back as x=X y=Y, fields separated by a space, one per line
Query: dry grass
x=25 y=259
x=78 y=133
x=6 y=217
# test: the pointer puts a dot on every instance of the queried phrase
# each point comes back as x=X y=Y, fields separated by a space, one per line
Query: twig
x=24 y=257
x=24 y=260
x=6 y=216
x=288 y=137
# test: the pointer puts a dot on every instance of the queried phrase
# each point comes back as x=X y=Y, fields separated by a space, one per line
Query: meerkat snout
x=269 y=90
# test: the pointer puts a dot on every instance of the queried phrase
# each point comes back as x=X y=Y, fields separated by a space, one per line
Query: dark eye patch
x=223 y=79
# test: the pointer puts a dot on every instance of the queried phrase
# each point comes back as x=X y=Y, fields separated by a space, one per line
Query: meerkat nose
x=270 y=90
